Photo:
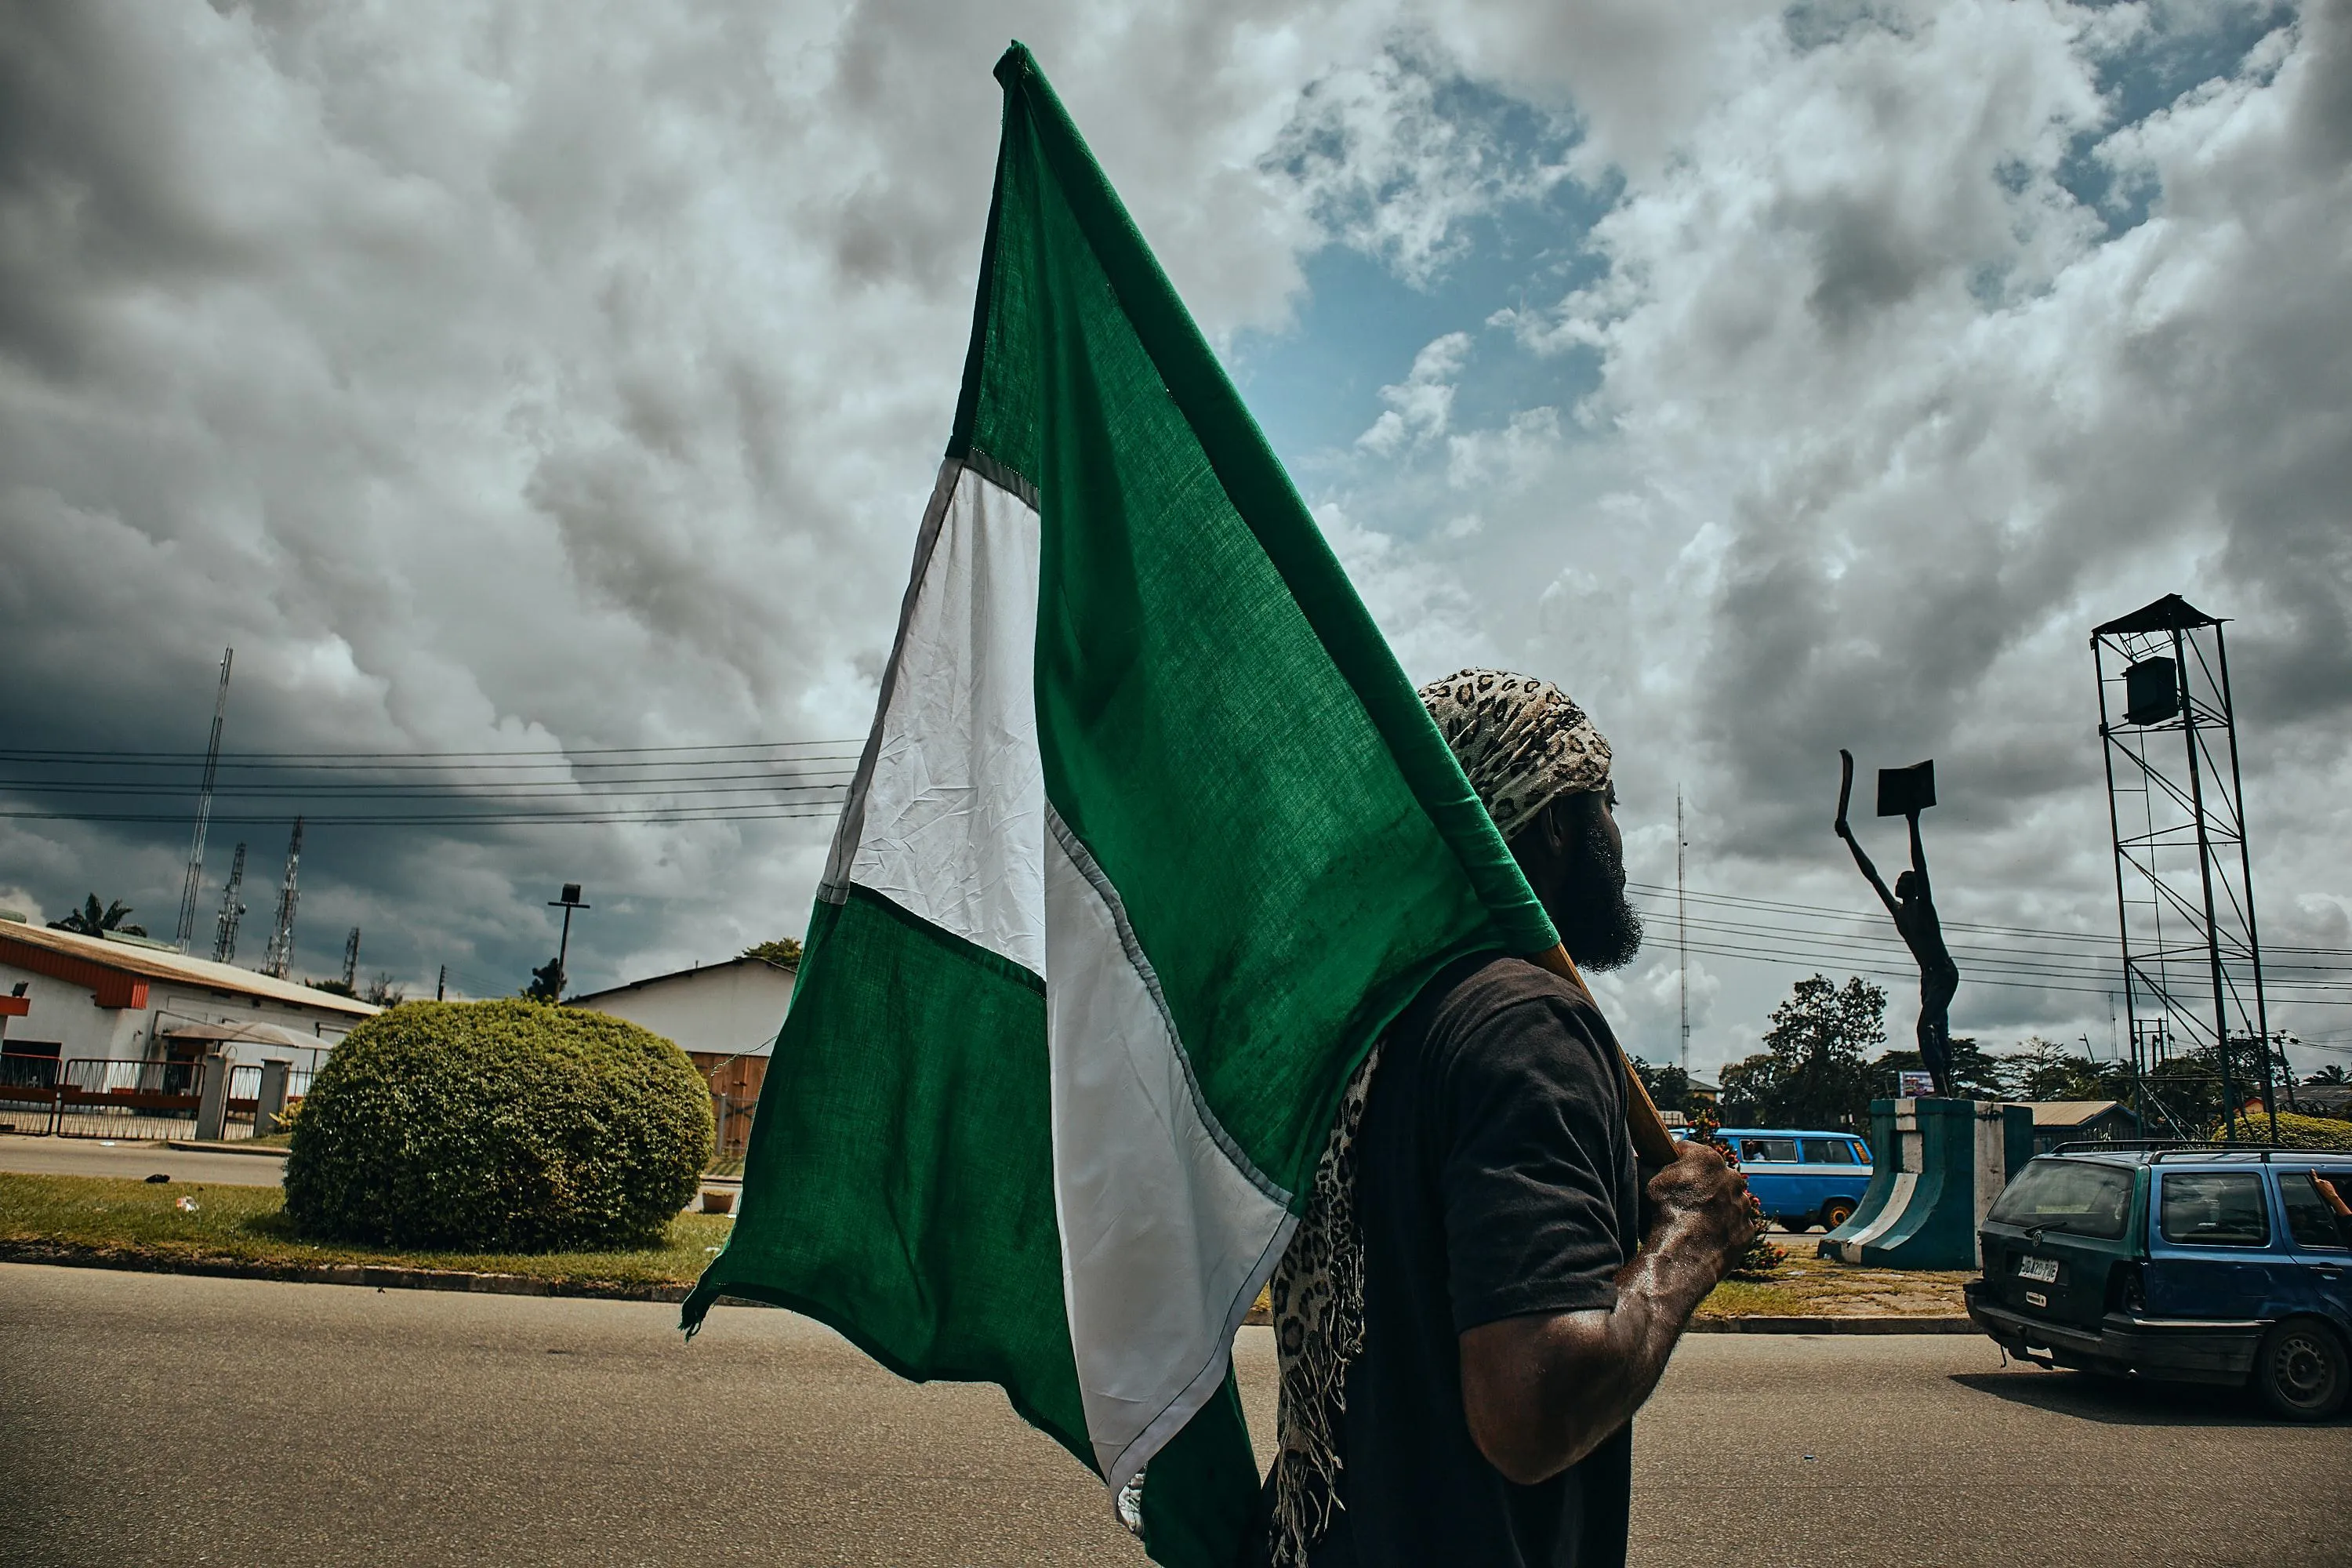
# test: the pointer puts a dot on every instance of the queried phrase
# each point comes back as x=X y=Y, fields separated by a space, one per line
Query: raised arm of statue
x=1919 y=858
x=1845 y=831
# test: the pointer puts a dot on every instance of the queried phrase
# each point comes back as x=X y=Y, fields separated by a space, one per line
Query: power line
x=520 y=789
x=2102 y=939
x=2017 y=960
x=557 y=764
x=324 y=759
x=1798 y=955
x=646 y=814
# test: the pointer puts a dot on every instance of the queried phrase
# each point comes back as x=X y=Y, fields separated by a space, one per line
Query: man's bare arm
x=1542 y=1391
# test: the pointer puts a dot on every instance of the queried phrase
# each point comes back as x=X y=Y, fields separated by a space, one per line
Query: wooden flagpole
x=1653 y=1144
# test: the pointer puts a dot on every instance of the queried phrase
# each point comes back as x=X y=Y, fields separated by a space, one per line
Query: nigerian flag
x=1151 y=839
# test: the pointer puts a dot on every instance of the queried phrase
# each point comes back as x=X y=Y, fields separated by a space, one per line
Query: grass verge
x=126 y=1223
x=1810 y=1287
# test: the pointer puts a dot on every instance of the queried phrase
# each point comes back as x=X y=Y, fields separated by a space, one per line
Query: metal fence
x=27 y=1072
x=146 y=1100
x=28 y=1093
x=136 y=1100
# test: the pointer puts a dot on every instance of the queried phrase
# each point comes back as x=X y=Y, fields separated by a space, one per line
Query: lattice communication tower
x=2193 y=957
x=231 y=911
x=185 y=931
x=280 y=956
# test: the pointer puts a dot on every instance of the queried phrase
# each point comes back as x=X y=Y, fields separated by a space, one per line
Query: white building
x=716 y=1010
x=725 y=1016
x=92 y=999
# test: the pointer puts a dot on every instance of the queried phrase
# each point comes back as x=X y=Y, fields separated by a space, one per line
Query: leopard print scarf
x=1317 y=1297
x=1521 y=742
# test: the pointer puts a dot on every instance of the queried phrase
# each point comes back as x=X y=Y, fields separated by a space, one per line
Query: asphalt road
x=135 y=1159
x=154 y=1418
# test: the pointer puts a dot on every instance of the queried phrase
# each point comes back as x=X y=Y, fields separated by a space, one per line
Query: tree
x=1668 y=1087
x=383 y=993
x=784 y=952
x=91 y=920
x=333 y=988
x=1813 y=1071
x=2045 y=1069
x=546 y=982
x=2332 y=1073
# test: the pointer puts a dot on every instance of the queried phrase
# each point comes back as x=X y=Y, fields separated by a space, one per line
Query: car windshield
x=2073 y=1195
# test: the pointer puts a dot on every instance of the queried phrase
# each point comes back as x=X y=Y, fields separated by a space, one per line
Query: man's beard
x=1601 y=932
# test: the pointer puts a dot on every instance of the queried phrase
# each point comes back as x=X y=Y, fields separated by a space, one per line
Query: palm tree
x=91 y=920
x=2332 y=1073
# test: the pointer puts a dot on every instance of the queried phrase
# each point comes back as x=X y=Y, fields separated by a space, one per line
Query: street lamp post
x=567 y=903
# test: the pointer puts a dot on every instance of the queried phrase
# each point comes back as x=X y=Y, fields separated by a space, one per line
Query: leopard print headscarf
x=1522 y=745
x=1521 y=742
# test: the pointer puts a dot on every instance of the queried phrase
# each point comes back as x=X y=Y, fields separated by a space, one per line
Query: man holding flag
x=1151 y=843
x=1473 y=1308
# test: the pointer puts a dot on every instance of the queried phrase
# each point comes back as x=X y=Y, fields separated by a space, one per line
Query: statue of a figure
x=1912 y=905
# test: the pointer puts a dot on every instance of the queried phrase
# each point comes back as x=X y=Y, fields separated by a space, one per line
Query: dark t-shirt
x=1495 y=1178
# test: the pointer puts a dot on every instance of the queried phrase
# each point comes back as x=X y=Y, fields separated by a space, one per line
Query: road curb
x=394 y=1277
x=383 y=1277
x=1885 y=1325
x=190 y=1146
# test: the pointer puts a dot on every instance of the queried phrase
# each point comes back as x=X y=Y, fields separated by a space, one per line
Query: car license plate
x=2045 y=1269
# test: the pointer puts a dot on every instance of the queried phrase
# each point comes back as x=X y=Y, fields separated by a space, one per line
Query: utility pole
x=231 y=910
x=281 y=929
x=1682 y=929
x=186 y=931
x=441 y=986
x=351 y=960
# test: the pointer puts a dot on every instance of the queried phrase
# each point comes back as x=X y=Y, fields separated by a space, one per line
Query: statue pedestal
x=1940 y=1163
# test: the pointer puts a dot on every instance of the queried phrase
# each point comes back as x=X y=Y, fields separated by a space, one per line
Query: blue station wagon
x=2205 y=1264
x=1803 y=1178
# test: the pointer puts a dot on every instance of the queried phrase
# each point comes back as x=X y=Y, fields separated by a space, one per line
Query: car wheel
x=1836 y=1212
x=2301 y=1370
x=1793 y=1222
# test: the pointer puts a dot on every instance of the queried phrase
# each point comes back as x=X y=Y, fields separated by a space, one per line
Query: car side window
x=2310 y=1219
x=2214 y=1208
x=1780 y=1149
x=1828 y=1151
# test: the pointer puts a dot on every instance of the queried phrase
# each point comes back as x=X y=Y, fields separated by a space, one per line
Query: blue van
x=1803 y=1177
x=2199 y=1264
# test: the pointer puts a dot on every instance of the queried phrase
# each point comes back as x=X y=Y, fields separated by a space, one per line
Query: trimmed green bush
x=2294 y=1132
x=505 y=1126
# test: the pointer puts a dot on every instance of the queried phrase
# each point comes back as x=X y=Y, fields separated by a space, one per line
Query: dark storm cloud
x=518 y=377
x=93 y=193
x=558 y=377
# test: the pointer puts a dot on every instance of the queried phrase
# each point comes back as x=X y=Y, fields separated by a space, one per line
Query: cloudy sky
x=567 y=379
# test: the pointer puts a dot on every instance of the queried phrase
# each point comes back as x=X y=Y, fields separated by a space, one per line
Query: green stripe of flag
x=898 y=1186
